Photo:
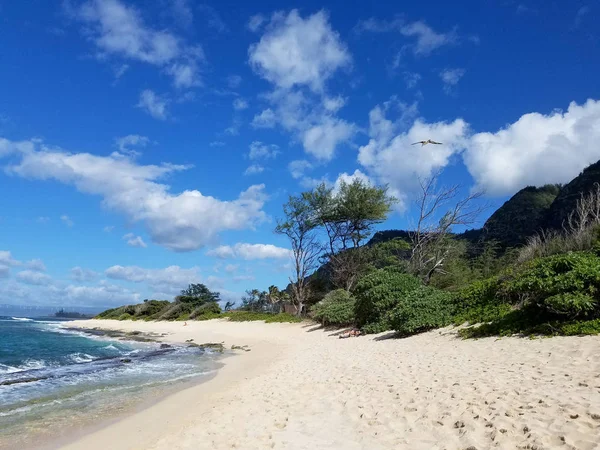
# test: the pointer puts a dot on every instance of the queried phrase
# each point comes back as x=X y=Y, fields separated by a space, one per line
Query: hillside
x=521 y=216
x=566 y=200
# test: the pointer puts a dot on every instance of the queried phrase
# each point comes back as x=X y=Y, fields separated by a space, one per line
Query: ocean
x=53 y=379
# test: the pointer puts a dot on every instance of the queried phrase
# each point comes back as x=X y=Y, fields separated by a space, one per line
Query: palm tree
x=274 y=296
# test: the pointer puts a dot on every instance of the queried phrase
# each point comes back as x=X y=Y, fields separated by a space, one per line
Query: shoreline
x=302 y=388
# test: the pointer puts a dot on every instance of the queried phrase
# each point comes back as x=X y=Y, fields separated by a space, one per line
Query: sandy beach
x=300 y=387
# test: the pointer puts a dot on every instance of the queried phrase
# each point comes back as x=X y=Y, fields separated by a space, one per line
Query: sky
x=148 y=145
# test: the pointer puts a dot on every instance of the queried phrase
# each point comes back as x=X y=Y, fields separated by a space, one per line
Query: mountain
x=566 y=201
x=521 y=216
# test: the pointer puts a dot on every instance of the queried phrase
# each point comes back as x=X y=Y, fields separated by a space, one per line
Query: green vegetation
x=336 y=308
x=533 y=269
x=378 y=293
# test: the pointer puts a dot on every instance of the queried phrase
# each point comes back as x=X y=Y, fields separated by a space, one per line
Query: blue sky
x=146 y=145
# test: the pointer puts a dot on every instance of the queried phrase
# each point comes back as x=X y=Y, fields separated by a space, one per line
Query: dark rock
x=126 y=360
x=165 y=346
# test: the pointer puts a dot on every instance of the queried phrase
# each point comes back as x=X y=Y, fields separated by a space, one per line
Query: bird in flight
x=428 y=141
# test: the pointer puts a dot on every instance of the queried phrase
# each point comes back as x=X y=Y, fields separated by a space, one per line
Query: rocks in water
x=218 y=347
x=189 y=340
x=125 y=360
x=165 y=346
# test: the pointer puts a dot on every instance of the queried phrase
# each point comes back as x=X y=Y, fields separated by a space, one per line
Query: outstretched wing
x=433 y=142
x=420 y=142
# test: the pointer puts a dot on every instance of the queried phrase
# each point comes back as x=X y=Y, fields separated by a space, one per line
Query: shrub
x=377 y=294
x=206 y=308
x=480 y=302
x=566 y=284
x=175 y=310
x=337 y=308
x=247 y=316
x=422 y=309
x=124 y=316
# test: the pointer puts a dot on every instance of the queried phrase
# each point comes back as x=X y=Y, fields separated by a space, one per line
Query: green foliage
x=124 y=316
x=197 y=294
x=175 y=310
x=378 y=293
x=480 y=302
x=337 y=308
x=566 y=284
x=392 y=253
x=521 y=216
x=248 y=316
x=207 y=308
x=422 y=309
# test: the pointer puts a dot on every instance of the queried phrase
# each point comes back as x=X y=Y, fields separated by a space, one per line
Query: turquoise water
x=52 y=378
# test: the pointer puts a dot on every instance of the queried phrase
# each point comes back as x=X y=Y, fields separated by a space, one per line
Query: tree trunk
x=300 y=306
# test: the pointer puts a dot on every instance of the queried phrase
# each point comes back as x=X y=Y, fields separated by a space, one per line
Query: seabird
x=428 y=141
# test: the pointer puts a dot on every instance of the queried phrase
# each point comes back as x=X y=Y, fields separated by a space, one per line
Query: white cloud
x=234 y=81
x=254 y=169
x=250 y=251
x=390 y=158
x=349 y=179
x=4 y=272
x=333 y=104
x=168 y=281
x=80 y=274
x=36 y=264
x=131 y=140
x=134 y=241
x=153 y=104
x=321 y=140
x=67 y=220
x=298 y=167
x=108 y=228
x=239 y=278
x=6 y=262
x=119 y=30
x=451 y=77
x=258 y=150
x=178 y=221
x=217 y=144
x=536 y=149
x=256 y=22
x=43 y=219
x=230 y=268
x=427 y=39
x=296 y=51
x=34 y=277
x=266 y=119
x=240 y=104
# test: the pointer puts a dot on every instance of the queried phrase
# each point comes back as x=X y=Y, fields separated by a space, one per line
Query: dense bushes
x=480 y=302
x=210 y=308
x=377 y=294
x=422 y=309
x=337 y=308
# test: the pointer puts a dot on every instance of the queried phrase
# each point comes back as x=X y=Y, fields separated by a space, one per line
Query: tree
x=275 y=297
x=432 y=238
x=229 y=305
x=254 y=300
x=197 y=294
x=348 y=217
x=299 y=226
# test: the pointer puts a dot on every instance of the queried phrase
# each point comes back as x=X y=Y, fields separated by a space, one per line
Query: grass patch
x=248 y=316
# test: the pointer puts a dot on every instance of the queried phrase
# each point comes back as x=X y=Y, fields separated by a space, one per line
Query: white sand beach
x=303 y=388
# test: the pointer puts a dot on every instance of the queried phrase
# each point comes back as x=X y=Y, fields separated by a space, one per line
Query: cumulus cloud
x=321 y=140
x=80 y=274
x=36 y=264
x=6 y=262
x=178 y=221
x=153 y=104
x=298 y=55
x=118 y=30
x=390 y=157
x=536 y=149
x=168 y=281
x=134 y=241
x=254 y=169
x=297 y=51
x=125 y=144
x=212 y=18
x=250 y=251
x=34 y=277
x=450 y=78
x=298 y=167
x=258 y=150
